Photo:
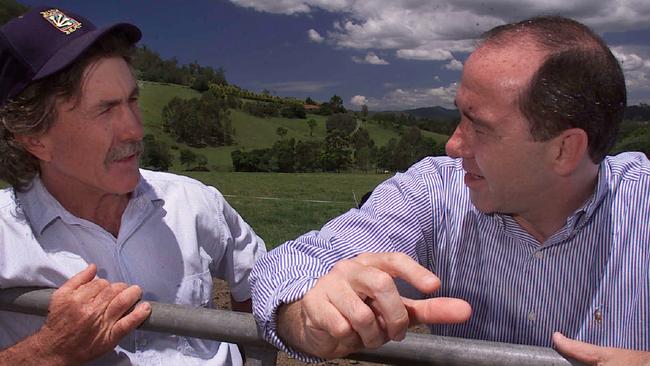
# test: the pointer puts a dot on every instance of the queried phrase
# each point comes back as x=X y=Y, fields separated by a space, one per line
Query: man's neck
x=571 y=195
x=101 y=208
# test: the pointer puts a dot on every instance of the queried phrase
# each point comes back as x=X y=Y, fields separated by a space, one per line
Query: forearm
x=34 y=350
x=290 y=326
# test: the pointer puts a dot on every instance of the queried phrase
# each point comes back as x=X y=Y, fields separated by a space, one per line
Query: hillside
x=250 y=132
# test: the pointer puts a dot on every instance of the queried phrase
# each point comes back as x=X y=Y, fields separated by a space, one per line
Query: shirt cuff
x=295 y=291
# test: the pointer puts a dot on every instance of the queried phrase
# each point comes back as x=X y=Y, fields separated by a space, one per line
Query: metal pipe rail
x=234 y=327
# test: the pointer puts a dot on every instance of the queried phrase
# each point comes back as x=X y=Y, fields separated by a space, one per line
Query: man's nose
x=131 y=123
x=457 y=145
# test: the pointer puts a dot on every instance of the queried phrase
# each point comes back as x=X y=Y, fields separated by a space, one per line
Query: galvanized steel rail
x=234 y=327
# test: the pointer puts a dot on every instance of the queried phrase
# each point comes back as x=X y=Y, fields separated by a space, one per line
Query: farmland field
x=281 y=206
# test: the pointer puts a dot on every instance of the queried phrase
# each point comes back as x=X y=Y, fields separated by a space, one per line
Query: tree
x=343 y=122
x=285 y=155
x=308 y=156
x=310 y=101
x=336 y=154
x=187 y=157
x=201 y=162
x=361 y=138
x=281 y=131
x=336 y=103
x=293 y=110
x=364 y=112
x=156 y=154
x=312 y=124
x=200 y=122
x=363 y=158
x=200 y=84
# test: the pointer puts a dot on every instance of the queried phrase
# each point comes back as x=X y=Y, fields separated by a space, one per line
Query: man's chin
x=481 y=205
x=128 y=185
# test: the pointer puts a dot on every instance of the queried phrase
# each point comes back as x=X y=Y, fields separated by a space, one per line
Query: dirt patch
x=221 y=295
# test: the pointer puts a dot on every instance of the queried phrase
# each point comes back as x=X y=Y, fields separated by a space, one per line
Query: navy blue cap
x=43 y=42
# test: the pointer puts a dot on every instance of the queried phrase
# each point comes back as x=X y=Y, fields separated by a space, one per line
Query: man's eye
x=105 y=110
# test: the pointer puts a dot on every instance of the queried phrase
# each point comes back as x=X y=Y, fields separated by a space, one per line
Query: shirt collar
x=582 y=215
x=42 y=208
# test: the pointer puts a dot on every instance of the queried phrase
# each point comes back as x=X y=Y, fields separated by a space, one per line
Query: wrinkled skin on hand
x=357 y=305
x=590 y=354
x=86 y=317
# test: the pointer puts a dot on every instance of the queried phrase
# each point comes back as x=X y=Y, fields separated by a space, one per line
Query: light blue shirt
x=176 y=233
x=590 y=280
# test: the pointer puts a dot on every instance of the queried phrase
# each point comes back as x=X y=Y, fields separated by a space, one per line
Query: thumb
x=581 y=351
x=437 y=310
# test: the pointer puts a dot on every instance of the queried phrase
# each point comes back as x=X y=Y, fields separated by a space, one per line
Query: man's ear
x=35 y=145
x=571 y=147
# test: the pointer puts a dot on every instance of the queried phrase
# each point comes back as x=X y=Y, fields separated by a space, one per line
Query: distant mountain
x=433 y=112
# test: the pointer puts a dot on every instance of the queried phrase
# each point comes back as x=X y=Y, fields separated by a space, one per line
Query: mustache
x=121 y=151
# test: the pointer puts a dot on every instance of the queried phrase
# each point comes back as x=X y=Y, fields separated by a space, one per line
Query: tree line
x=345 y=146
x=149 y=66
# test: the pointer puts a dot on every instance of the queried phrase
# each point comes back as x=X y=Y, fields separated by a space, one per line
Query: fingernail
x=145 y=306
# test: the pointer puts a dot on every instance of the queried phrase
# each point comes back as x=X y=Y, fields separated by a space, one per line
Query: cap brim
x=67 y=55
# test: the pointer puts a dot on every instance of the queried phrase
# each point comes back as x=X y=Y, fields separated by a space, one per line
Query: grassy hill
x=250 y=132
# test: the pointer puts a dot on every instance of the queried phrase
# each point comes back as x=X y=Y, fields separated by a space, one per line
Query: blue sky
x=388 y=54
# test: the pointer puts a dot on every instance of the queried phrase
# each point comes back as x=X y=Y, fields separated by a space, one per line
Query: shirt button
x=532 y=316
x=539 y=255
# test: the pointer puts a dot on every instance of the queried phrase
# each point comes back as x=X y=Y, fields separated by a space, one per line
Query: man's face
x=94 y=144
x=506 y=171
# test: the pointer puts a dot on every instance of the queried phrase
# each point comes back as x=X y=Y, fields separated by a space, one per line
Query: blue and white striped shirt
x=590 y=280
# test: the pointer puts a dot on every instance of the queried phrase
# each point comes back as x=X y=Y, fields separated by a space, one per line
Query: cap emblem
x=61 y=21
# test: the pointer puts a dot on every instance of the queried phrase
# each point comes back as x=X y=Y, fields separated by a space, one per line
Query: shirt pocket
x=196 y=291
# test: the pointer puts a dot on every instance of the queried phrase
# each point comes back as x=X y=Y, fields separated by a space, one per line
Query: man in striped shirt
x=526 y=233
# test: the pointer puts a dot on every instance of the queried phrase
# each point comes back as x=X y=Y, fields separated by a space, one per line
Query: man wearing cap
x=82 y=217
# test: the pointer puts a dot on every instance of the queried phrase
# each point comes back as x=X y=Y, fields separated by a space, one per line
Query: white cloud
x=314 y=36
x=629 y=61
x=399 y=99
x=454 y=65
x=635 y=62
x=290 y=7
x=425 y=54
x=359 y=100
x=370 y=58
x=416 y=27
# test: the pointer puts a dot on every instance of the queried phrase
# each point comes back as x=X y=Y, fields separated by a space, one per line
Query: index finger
x=402 y=266
x=80 y=278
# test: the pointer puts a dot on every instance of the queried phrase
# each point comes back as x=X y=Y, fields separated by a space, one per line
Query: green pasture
x=281 y=206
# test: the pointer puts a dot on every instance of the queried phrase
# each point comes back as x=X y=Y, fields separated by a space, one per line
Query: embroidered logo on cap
x=61 y=21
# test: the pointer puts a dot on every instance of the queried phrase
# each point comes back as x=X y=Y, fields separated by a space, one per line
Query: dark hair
x=580 y=83
x=34 y=110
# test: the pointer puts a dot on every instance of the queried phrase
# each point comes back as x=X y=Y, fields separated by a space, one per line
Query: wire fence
x=234 y=327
